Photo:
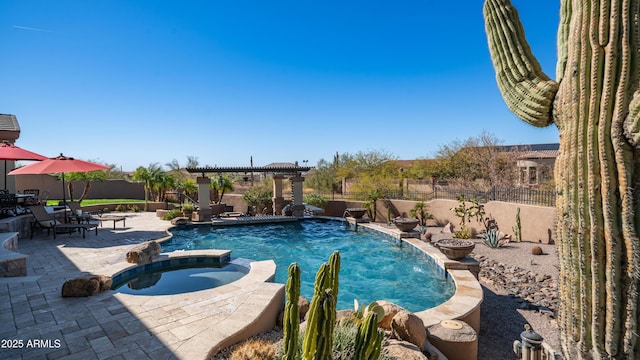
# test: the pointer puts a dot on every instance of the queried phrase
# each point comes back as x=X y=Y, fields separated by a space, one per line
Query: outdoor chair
x=77 y=214
x=43 y=220
x=31 y=201
x=44 y=197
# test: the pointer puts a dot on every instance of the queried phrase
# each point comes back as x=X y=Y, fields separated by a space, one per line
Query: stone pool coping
x=465 y=303
x=199 y=324
x=196 y=337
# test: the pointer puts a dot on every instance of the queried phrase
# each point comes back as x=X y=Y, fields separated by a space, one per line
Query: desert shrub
x=463 y=233
x=172 y=214
x=121 y=208
x=315 y=200
x=344 y=342
x=258 y=196
x=134 y=208
x=254 y=350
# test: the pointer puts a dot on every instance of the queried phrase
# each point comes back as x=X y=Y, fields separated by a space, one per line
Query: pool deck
x=195 y=325
x=44 y=325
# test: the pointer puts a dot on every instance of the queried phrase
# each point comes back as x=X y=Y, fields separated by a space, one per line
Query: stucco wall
x=537 y=222
x=108 y=189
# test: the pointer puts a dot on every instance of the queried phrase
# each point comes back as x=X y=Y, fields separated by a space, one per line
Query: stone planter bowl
x=356 y=213
x=405 y=225
x=455 y=249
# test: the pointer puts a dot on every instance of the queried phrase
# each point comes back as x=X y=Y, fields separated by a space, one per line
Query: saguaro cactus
x=595 y=104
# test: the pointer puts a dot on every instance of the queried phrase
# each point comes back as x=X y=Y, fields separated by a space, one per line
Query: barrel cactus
x=595 y=104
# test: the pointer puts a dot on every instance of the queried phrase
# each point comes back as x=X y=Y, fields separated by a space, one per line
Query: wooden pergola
x=295 y=173
x=280 y=170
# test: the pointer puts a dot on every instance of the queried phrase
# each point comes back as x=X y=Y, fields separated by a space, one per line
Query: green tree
x=189 y=187
x=220 y=185
x=477 y=158
x=259 y=196
x=87 y=178
x=149 y=176
x=595 y=104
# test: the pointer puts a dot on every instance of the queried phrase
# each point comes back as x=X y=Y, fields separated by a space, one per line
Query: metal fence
x=513 y=195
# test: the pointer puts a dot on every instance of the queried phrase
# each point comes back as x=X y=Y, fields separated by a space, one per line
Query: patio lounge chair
x=77 y=214
x=43 y=220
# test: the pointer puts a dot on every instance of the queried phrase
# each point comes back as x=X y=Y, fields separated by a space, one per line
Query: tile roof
x=9 y=123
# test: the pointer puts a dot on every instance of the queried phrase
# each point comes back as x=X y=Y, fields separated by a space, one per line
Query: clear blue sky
x=138 y=82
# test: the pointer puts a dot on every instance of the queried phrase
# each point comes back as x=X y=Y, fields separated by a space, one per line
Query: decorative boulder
x=143 y=253
x=404 y=350
x=407 y=326
x=390 y=310
x=536 y=250
x=180 y=221
x=303 y=307
x=344 y=316
x=86 y=286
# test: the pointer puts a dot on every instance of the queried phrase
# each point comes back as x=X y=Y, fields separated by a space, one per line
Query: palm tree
x=219 y=185
x=149 y=176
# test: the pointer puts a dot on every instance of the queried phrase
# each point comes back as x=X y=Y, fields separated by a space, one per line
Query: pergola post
x=297 y=202
x=278 y=199
x=203 y=192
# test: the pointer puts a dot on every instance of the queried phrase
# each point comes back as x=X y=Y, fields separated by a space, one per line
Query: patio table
x=114 y=218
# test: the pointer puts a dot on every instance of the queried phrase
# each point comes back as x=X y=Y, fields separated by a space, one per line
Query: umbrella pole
x=64 y=199
x=5 y=174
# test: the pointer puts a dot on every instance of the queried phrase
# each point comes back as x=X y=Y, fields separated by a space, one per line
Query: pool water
x=372 y=267
x=179 y=280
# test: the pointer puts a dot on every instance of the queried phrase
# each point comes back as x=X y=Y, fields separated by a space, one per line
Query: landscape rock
x=144 y=253
x=390 y=310
x=404 y=350
x=409 y=327
x=536 y=250
x=303 y=306
x=538 y=290
x=180 y=221
x=86 y=286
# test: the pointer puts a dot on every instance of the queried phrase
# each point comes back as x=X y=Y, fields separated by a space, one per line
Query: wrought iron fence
x=514 y=195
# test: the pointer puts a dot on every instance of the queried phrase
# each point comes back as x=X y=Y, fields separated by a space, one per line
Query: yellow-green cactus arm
x=527 y=91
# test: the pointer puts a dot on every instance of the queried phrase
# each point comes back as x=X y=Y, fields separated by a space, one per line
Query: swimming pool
x=372 y=267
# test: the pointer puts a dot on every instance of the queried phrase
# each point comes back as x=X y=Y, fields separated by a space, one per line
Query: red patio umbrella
x=11 y=152
x=61 y=164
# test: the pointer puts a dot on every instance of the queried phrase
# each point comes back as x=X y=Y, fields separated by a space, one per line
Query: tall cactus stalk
x=368 y=339
x=318 y=338
x=595 y=104
x=291 y=323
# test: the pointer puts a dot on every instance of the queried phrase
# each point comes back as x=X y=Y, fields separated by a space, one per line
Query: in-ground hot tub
x=180 y=272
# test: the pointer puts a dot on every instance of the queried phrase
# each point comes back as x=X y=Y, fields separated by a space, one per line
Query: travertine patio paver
x=118 y=326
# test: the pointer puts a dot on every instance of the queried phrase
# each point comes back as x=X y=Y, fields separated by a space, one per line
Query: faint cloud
x=29 y=28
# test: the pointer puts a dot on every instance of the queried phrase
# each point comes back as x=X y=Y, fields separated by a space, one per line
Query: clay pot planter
x=405 y=225
x=455 y=249
x=356 y=213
